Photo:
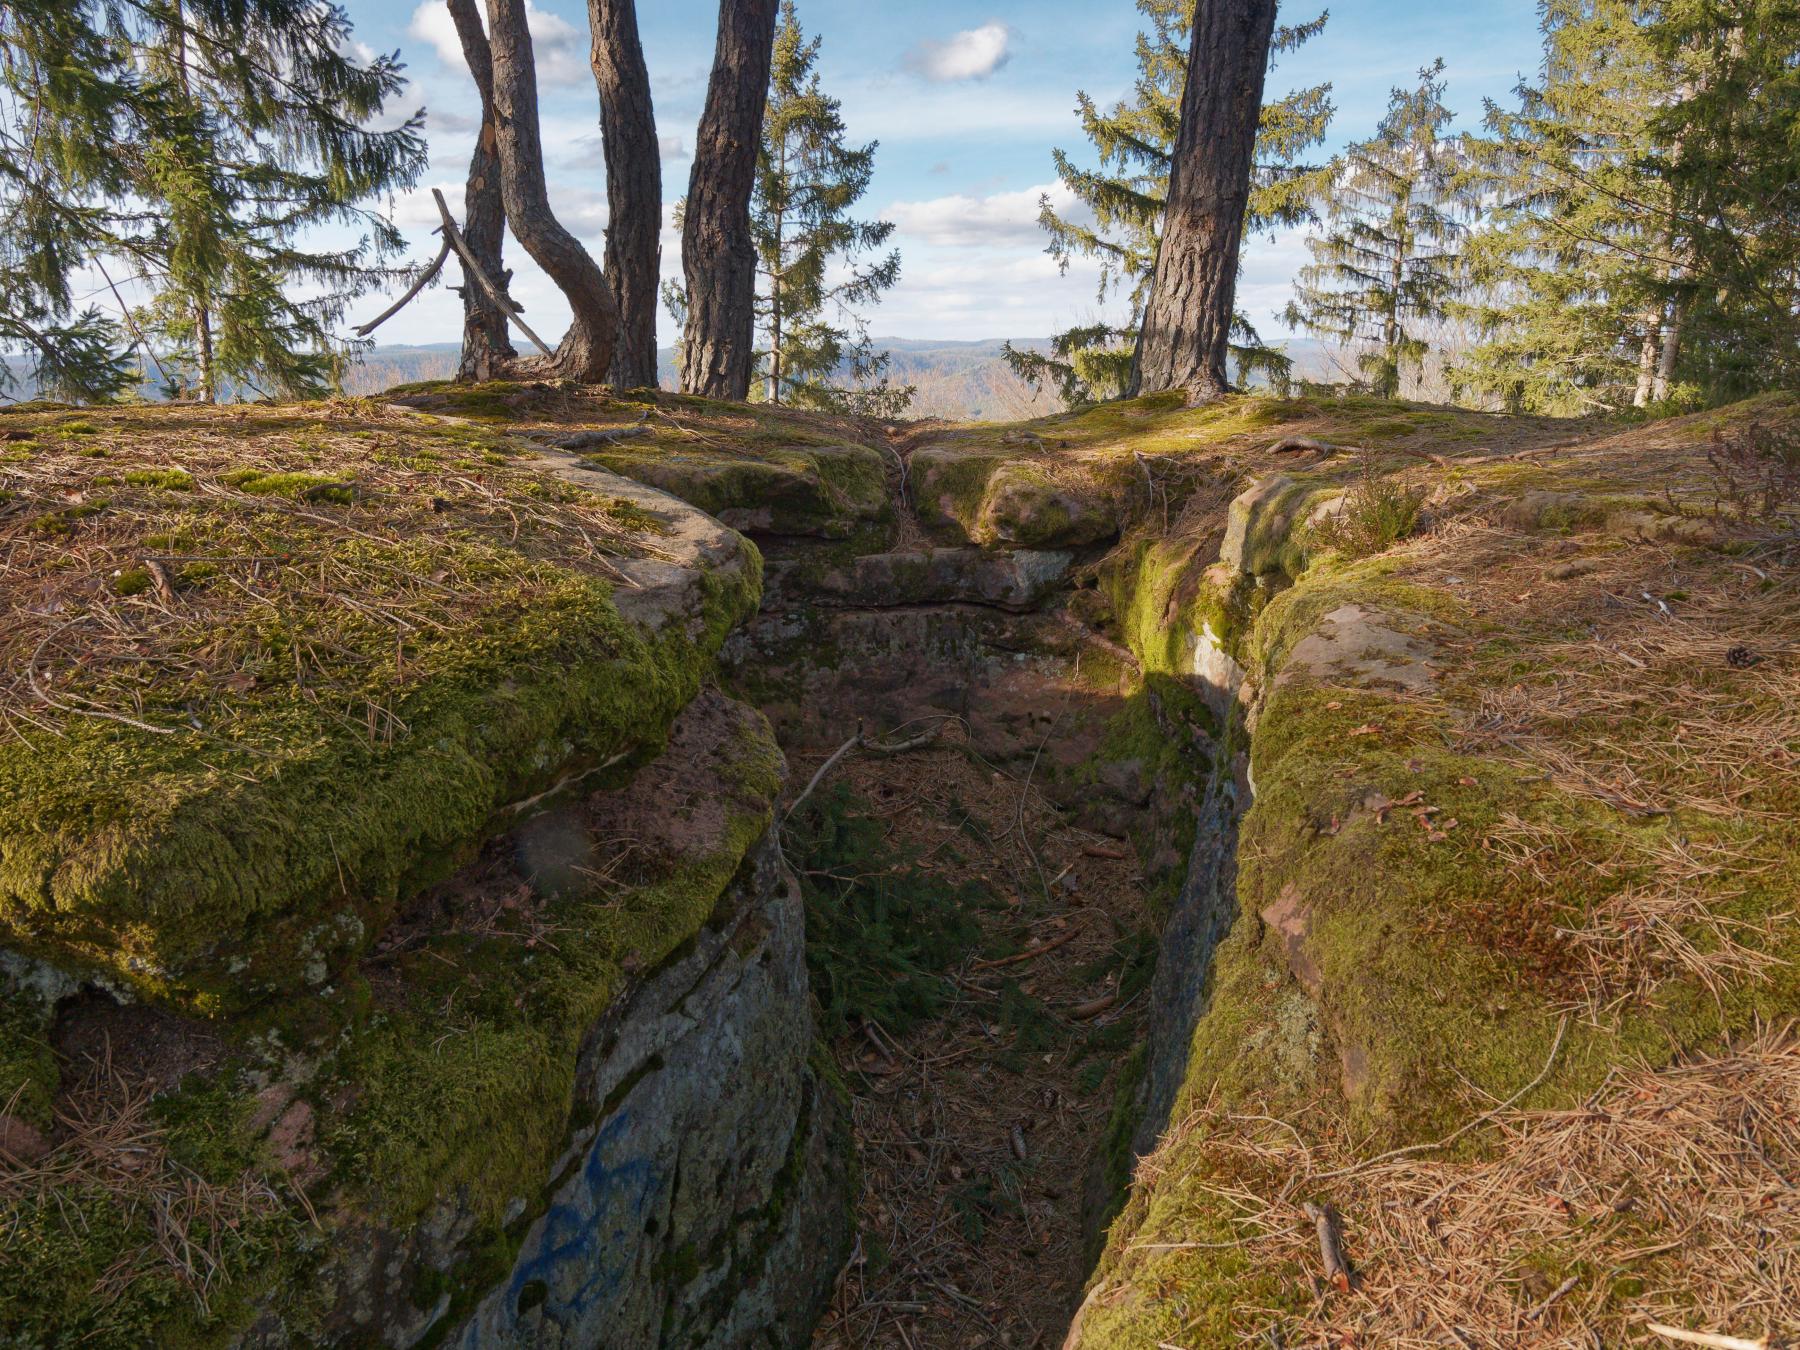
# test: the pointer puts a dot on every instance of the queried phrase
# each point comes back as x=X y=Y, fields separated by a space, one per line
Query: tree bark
x=1671 y=354
x=718 y=256
x=487 y=342
x=1646 y=371
x=585 y=353
x=1186 y=337
x=633 y=187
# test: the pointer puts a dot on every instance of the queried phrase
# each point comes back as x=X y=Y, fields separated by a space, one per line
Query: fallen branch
x=1557 y=1295
x=590 y=440
x=1301 y=445
x=824 y=769
x=1707 y=1338
x=425 y=279
x=463 y=251
x=1032 y=954
x=1331 y=1245
x=1083 y=1012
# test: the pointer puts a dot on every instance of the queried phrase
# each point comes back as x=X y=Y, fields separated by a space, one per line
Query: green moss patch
x=225 y=797
x=1440 y=884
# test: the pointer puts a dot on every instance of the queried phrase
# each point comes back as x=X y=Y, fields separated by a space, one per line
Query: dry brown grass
x=123 y=595
x=1669 y=1196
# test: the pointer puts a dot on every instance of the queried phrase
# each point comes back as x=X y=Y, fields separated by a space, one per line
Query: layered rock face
x=531 y=1062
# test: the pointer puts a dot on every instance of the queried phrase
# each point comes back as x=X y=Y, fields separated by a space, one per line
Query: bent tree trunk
x=585 y=353
x=633 y=187
x=718 y=257
x=1186 y=337
x=487 y=344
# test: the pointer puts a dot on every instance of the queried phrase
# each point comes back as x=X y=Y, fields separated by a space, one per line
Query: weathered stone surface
x=702 y=1193
x=1262 y=524
x=1025 y=507
x=707 y=1204
x=1017 y=580
x=970 y=495
x=825 y=491
x=1354 y=644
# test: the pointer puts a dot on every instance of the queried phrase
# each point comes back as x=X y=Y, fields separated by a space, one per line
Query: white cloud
x=560 y=48
x=964 y=221
x=452 y=123
x=973 y=54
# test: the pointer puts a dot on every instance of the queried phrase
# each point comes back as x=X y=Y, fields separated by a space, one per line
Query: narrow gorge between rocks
x=629 y=871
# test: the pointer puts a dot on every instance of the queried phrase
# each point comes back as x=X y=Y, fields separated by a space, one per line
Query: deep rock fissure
x=1040 y=699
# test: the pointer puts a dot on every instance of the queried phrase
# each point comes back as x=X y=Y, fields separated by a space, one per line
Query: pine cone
x=1741 y=658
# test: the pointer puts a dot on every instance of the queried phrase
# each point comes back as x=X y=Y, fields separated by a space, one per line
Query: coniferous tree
x=807 y=245
x=1128 y=191
x=633 y=187
x=487 y=347
x=1388 y=264
x=1185 y=341
x=232 y=131
x=267 y=141
x=1729 y=156
x=1576 y=251
x=73 y=97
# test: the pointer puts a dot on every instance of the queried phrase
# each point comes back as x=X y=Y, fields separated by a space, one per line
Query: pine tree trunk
x=633 y=187
x=203 y=344
x=1390 y=335
x=487 y=339
x=718 y=256
x=1186 y=337
x=585 y=353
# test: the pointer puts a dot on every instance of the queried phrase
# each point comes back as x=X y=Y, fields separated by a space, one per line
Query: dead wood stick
x=1103 y=851
x=463 y=251
x=159 y=576
x=1081 y=1012
x=424 y=280
x=1300 y=445
x=824 y=769
x=1028 y=955
x=1331 y=1245
x=918 y=742
x=589 y=440
x=1707 y=1338
x=1557 y=1295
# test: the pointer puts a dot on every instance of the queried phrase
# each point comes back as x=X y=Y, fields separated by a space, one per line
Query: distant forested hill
x=958 y=381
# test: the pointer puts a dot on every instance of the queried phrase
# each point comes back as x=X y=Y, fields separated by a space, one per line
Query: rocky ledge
x=395 y=952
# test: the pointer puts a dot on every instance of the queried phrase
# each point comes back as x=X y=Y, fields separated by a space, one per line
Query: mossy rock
x=972 y=496
x=341 y=715
x=825 y=491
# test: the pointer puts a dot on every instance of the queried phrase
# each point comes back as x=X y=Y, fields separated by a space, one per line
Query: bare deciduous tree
x=586 y=350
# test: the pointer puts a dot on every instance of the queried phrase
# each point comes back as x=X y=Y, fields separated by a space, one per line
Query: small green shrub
x=880 y=929
x=1377 y=514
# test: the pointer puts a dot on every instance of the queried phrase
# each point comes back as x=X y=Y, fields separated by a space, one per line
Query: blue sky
x=967 y=101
